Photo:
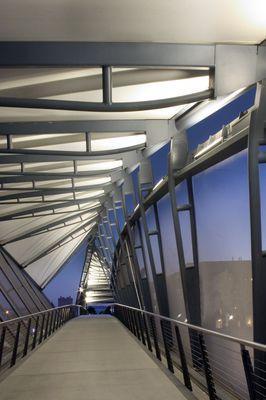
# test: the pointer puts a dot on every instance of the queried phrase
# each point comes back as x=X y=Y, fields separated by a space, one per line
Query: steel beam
x=68 y=105
x=134 y=76
x=38 y=210
x=95 y=54
x=97 y=126
x=55 y=245
x=50 y=226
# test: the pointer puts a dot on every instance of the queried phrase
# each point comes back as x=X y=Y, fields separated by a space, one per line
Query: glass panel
x=223 y=226
x=129 y=200
x=262 y=177
x=181 y=194
x=185 y=225
x=150 y=218
x=172 y=271
x=159 y=163
x=202 y=130
x=120 y=217
x=156 y=253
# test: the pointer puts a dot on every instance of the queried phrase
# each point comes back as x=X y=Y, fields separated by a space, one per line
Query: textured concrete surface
x=94 y=359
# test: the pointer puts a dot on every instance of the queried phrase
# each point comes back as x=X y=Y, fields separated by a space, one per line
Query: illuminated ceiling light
x=230 y=317
x=161 y=89
x=118 y=142
x=99 y=165
x=94 y=181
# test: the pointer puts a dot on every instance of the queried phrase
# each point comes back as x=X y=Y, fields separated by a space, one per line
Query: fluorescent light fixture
x=92 y=181
x=118 y=142
x=161 y=89
x=101 y=165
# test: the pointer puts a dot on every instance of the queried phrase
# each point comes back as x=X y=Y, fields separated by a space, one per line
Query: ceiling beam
x=94 y=82
x=56 y=244
x=89 y=237
x=50 y=226
x=69 y=105
x=95 y=54
x=51 y=207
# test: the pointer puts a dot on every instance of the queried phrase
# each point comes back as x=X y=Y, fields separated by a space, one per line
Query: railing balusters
x=147 y=332
x=136 y=325
x=207 y=369
x=47 y=326
x=50 y=321
x=249 y=373
x=26 y=344
x=155 y=338
x=132 y=322
x=183 y=360
x=141 y=328
x=2 y=343
x=42 y=328
x=35 y=333
x=15 y=347
x=166 y=347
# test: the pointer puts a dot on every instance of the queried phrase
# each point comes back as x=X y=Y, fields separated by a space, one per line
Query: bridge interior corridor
x=89 y=357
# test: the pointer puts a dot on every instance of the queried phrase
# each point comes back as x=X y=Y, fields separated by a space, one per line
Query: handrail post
x=47 y=325
x=248 y=372
x=147 y=332
x=35 y=333
x=132 y=323
x=207 y=369
x=54 y=321
x=2 y=343
x=25 y=350
x=183 y=360
x=155 y=339
x=51 y=323
x=167 y=351
x=15 y=348
x=141 y=328
x=42 y=328
x=136 y=325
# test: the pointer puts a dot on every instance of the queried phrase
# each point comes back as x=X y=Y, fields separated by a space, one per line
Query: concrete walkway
x=92 y=359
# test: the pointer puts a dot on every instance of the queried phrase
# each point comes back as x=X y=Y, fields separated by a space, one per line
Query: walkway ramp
x=89 y=358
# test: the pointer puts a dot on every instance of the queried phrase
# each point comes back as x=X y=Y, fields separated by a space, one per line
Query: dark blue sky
x=221 y=195
x=67 y=280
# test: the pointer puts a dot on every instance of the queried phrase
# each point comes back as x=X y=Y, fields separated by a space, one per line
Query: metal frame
x=228 y=76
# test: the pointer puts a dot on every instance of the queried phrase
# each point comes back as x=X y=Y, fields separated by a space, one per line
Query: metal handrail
x=37 y=313
x=197 y=328
x=190 y=354
x=29 y=331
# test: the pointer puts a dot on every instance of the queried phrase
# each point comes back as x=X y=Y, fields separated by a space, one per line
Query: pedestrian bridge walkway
x=89 y=358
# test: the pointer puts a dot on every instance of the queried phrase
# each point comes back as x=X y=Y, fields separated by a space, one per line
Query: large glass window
x=223 y=227
x=182 y=200
x=202 y=130
x=159 y=163
x=172 y=270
